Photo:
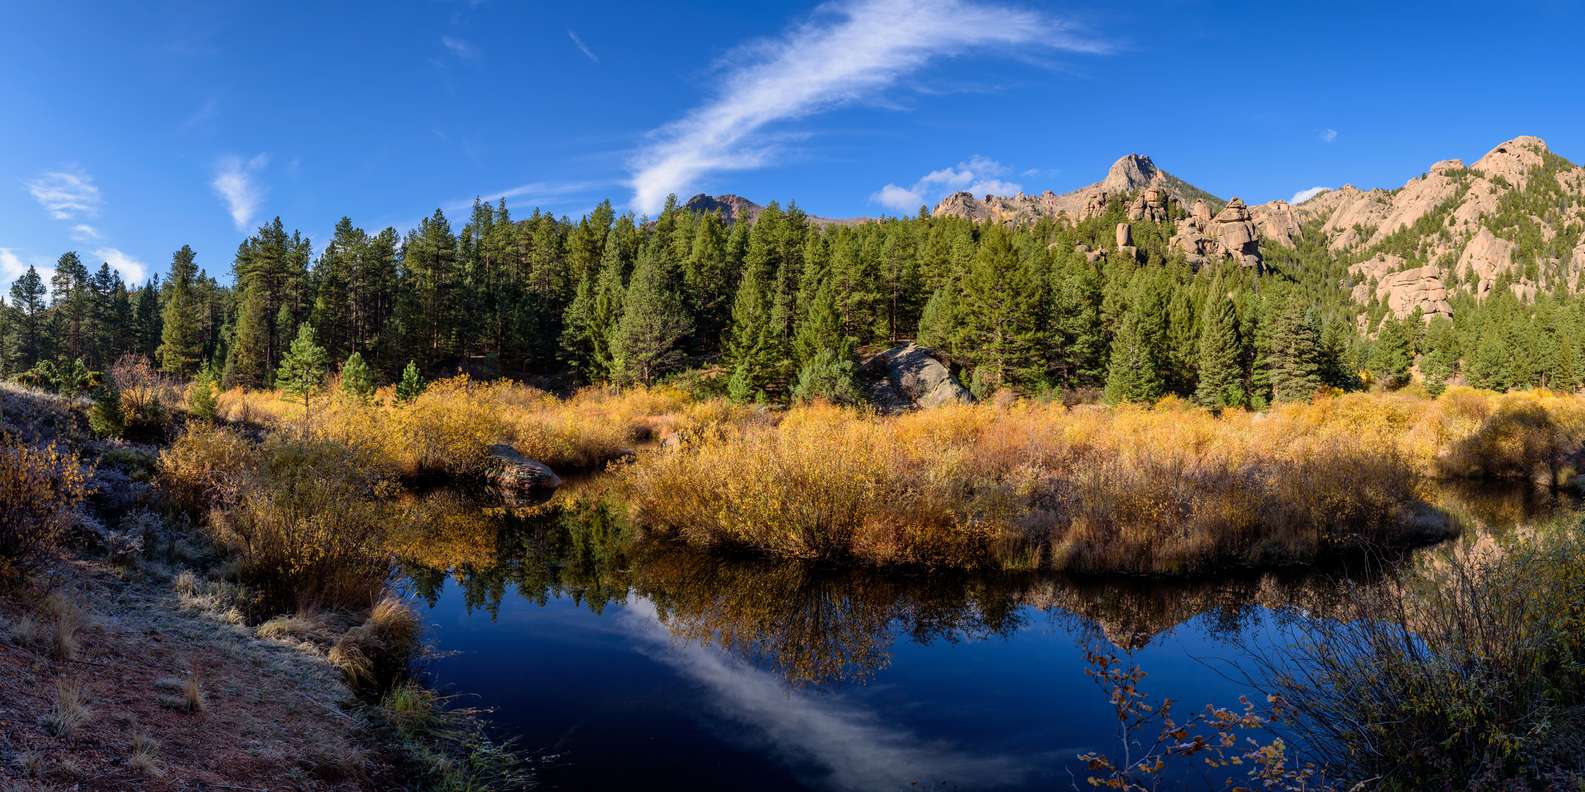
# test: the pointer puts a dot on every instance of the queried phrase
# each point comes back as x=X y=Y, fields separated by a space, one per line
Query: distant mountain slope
x=735 y=207
x=1515 y=218
x=1127 y=176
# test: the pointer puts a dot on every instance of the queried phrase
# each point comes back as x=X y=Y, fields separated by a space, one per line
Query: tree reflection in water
x=815 y=624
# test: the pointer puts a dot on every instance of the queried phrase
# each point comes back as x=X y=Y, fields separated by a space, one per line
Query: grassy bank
x=1170 y=489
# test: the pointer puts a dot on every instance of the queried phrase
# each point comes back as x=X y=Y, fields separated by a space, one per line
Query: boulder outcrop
x=1229 y=234
x=1486 y=258
x=909 y=377
x=1403 y=290
x=517 y=476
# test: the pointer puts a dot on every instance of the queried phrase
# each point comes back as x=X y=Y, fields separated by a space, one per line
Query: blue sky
x=128 y=130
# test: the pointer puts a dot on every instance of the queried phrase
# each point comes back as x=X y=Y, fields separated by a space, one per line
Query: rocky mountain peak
x=1513 y=159
x=1129 y=173
x=732 y=207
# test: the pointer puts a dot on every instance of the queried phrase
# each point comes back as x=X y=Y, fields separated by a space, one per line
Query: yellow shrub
x=39 y=489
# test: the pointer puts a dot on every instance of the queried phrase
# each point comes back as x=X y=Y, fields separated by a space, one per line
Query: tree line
x=780 y=309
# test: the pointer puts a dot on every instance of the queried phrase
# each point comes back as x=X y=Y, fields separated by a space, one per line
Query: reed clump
x=1162 y=490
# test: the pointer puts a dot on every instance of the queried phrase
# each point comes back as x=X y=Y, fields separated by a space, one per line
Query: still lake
x=617 y=666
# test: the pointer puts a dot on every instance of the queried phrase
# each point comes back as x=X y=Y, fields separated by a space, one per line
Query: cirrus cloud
x=234 y=182
x=66 y=194
x=847 y=52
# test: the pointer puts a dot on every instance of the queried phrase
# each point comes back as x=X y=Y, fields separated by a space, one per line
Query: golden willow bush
x=1169 y=489
x=39 y=490
x=450 y=427
x=307 y=519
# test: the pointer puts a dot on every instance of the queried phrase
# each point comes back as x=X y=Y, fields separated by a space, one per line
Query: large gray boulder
x=517 y=475
x=908 y=377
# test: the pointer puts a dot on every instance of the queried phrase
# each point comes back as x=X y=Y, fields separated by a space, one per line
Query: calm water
x=661 y=668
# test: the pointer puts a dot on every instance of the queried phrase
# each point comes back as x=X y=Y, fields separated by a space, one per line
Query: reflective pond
x=618 y=665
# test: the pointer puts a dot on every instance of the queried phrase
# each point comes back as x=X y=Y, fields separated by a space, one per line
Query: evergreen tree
x=356 y=381
x=1440 y=361
x=1139 y=349
x=1293 y=357
x=1076 y=338
x=271 y=282
x=1393 y=354
x=29 y=333
x=1221 y=375
x=181 y=342
x=201 y=399
x=147 y=325
x=410 y=385
x=654 y=323
x=430 y=298
x=998 y=316
x=70 y=308
x=303 y=370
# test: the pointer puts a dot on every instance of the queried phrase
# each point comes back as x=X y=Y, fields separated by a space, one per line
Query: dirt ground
x=272 y=716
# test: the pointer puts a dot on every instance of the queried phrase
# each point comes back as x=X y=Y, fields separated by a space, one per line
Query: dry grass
x=449 y=428
x=145 y=755
x=68 y=712
x=1169 y=489
x=378 y=652
x=183 y=694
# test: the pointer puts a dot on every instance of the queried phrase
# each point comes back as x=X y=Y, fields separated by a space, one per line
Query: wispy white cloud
x=849 y=51
x=236 y=184
x=1305 y=195
x=542 y=194
x=1327 y=135
x=582 y=47
x=460 y=47
x=131 y=269
x=851 y=746
x=82 y=232
x=12 y=266
x=66 y=194
x=979 y=175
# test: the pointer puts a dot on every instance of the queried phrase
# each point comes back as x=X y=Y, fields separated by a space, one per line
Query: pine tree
x=69 y=308
x=1440 y=361
x=938 y=323
x=181 y=342
x=648 y=339
x=593 y=314
x=1393 y=354
x=1139 y=349
x=430 y=297
x=147 y=326
x=356 y=381
x=826 y=369
x=201 y=400
x=303 y=370
x=271 y=284
x=1221 y=376
x=29 y=334
x=1077 y=341
x=998 y=314
x=410 y=385
x=1293 y=357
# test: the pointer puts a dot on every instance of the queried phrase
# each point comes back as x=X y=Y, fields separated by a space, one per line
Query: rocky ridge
x=1515 y=218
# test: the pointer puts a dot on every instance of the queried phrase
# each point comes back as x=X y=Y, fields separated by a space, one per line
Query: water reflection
x=850 y=746
x=815 y=624
x=704 y=670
